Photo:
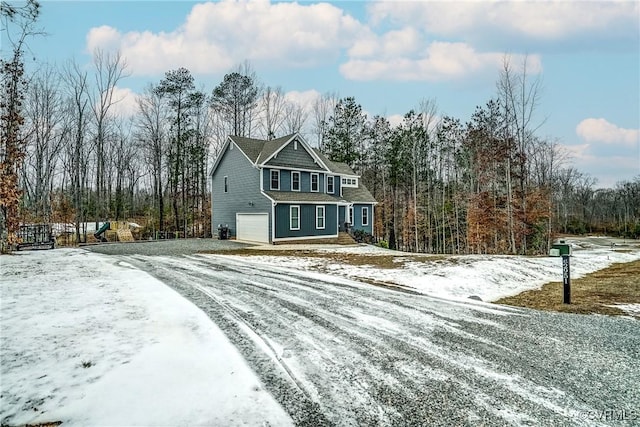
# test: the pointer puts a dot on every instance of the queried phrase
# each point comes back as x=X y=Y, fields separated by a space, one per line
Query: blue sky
x=389 y=55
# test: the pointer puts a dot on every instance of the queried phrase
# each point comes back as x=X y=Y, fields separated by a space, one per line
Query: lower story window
x=365 y=216
x=294 y=217
x=320 y=217
x=351 y=215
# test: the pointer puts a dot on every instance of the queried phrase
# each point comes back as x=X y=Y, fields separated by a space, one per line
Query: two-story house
x=283 y=189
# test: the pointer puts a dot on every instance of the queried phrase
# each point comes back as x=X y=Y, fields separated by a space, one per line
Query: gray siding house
x=281 y=190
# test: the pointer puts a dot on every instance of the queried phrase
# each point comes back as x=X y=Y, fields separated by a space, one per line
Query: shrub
x=361 y=236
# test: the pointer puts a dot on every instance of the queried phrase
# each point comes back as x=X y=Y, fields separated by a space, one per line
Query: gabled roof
x=259 y=151
x=271 y=147
x=250 y=146
x=335 y=167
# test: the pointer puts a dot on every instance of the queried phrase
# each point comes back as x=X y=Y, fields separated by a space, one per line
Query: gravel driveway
x=338 y=352
x=166 y=247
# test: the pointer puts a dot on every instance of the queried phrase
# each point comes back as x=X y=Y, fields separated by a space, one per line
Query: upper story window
x=295 y=181
x=349 y=182
x=226 y=184
x=330 y=187
x=275 y=179
x=315 y=182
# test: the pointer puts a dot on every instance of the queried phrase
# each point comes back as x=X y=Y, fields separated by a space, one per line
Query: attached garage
x=252 y=227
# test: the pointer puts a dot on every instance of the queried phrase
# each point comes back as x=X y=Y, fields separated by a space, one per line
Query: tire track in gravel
x=343 y=353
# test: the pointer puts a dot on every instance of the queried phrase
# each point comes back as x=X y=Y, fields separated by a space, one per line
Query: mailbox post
x=566 y=279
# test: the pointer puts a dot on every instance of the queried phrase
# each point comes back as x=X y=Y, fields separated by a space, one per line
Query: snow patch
x=87 y=341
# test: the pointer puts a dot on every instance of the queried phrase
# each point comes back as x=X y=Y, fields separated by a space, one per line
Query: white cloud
x=542 y=20
x=608 y=169
x=304 y=99
x=440 y=61
x=600 y=130
x=406 y=41
x=395 y=120
x=125 y=102
x=215 y=36
x=579 y=152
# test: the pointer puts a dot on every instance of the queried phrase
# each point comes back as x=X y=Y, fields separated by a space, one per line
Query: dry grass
x=380 y=261
x=618 y=284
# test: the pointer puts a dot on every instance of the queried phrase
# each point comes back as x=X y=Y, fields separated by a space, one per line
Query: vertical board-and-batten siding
x=294 y=158
x=307 y=221
x=357 y=217
x=243 y=194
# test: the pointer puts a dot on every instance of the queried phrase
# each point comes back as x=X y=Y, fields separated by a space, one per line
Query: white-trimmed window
x=315 y=187
x=365 y=216
x=275 y=179
x=295 y=181
x=350 y=182
x=330 y=184
x=294 y=217
x=320 y=217
x=226 y=184
x=351 y=215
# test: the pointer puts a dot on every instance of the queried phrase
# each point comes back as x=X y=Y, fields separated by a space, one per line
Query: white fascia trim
x=298 y=202
x=324 y=236
x=273 y=220
x=292 y=168
x=243 y=153
x=304 y=145
x=265 y=195
x=223 y=152
x=220 y=156
x=313 y=153
x=261 y=172
x=275 y=153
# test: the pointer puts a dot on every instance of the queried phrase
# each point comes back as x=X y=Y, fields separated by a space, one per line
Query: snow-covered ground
x=89 y=340
x=489 y=277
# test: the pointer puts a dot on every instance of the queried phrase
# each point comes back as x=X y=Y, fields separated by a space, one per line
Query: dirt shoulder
x=594 y=293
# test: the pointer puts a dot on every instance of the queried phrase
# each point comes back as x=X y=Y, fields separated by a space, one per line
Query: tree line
x=489 y=185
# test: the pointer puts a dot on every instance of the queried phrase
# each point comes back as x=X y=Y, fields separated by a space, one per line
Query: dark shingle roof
x=335 y=167
x=360 y=194
x=272 y=146
x=297 y=196
x=250 y=146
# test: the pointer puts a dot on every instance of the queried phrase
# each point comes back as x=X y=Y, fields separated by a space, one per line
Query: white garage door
x=252 y=227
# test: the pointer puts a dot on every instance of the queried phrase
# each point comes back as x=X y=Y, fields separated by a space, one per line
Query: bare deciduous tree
x=46 y=131
x=110 y=68
x=273 y=109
